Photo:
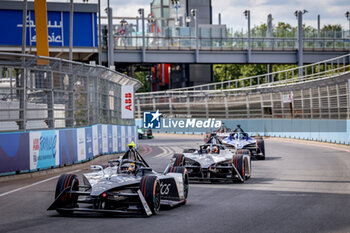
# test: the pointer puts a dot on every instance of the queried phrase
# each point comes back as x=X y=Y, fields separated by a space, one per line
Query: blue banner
x=84 y=28
x=14 y=153
x=119 y=133
x=88 y=138
x=99 y=133
x=110 y=138
x=68 y=145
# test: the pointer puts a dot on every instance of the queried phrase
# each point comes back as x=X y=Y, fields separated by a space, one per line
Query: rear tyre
x=238 y=162
x=261 y=145
x=150 y=188
x=185 y=179
x=179 y=160
x=71 y=182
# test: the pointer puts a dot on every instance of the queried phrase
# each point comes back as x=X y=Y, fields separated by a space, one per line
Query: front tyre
x=150 y=188
x=185 y=179
x=66 y=182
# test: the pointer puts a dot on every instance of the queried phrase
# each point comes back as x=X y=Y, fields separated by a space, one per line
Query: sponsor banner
x=119 y=132
x=68 y=146
x=127 y=102
x=44 y=149
x=104 y=139
x=115 y=138
x=123 y=135
x=95 y=146
x=129 y=135
x=81 y=144
x=99 y=133
x=110 y=139
x=89 y=143
x=14 y=153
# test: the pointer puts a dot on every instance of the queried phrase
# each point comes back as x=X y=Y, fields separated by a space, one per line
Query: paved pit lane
x=300 y=187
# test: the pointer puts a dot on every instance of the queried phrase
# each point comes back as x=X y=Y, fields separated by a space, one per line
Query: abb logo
x=128 y=101
x=36 y=144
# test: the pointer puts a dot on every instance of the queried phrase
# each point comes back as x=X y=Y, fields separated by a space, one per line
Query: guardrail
x=320 y=92
x=57 y=95
x=156 y=42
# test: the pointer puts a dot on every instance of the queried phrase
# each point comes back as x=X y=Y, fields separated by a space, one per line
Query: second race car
x=239 y=139
x=213 y=161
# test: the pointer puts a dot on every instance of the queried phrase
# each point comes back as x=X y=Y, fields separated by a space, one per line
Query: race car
x=143 y=133
x=125 y=186
x=214 y=162
x=221 y=132
x=238 y=139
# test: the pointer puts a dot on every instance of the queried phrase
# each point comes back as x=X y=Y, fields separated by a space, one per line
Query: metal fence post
x=206 y=105
x=247 y=105
x=188 y=105
x=138 y=107
x=23 y=100
x=50 y=101
x=70 y=120
x=226 y=106
x=311 y=104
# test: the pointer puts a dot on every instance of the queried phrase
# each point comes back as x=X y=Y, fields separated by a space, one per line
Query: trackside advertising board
x=45 y=149
x=127 y=102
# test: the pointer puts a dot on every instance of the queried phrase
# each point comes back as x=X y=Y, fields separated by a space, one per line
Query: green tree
x=142 y=77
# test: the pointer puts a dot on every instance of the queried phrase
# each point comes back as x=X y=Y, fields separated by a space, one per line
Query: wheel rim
x=157 y=197
x=186 y=185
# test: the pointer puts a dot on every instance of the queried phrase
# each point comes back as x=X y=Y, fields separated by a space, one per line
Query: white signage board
x=128 y=104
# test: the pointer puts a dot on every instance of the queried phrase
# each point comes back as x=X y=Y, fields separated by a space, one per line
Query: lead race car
x=238 y=139
x=126 y=185
x=213 y=161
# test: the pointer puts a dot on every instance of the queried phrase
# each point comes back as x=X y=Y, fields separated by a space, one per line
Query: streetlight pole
x=299 y=15
x=99 y=34
x=110 y=36
x=24 y=26
x=247 y=15
x=194 y=14
x=142 y=13
x=71 y=12
x=347 y=15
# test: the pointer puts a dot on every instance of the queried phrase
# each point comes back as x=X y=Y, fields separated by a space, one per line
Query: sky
x=331 y=11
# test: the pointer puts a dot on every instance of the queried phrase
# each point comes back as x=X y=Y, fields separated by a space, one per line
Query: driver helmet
x=215 y=150
x=128 y=168
x=236 y=136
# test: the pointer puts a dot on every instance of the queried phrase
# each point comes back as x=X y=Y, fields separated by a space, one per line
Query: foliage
x=142 y=77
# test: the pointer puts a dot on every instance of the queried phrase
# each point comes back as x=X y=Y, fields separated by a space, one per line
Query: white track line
x=31 y=185
x=165 y=151
x=169 y=152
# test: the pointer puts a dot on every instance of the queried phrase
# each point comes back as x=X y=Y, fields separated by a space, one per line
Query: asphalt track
x=300 y=187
